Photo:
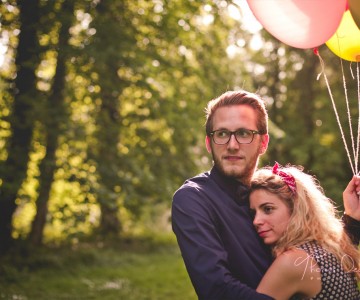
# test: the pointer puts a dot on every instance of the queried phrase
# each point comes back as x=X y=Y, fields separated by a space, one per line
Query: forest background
x=102 y=111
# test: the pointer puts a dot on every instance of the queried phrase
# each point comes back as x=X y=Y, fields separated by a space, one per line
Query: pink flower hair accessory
x=287 y=178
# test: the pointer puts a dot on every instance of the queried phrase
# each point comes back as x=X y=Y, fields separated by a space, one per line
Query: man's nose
x=233 y=143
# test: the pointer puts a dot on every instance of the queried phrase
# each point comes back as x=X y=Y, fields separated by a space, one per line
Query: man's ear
x=264 y=143
x=208 y=143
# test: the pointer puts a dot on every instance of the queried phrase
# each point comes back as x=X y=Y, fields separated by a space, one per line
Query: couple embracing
x=262 y=234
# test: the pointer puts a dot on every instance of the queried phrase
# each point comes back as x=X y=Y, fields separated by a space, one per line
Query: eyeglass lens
x=243 y=136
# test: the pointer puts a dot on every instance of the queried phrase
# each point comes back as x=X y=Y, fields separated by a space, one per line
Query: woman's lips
x=263 y=233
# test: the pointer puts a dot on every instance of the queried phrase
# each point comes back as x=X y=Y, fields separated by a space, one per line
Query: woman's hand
x=351 y=198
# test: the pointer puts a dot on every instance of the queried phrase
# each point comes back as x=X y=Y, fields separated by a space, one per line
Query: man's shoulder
x=197 y=197
x=195 y=187
x=197 y=181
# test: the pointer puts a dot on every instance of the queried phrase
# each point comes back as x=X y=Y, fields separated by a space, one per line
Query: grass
x=140 y=270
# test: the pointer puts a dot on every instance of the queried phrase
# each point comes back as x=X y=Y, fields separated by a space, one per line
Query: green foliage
x=137 y=269
x=131 y=128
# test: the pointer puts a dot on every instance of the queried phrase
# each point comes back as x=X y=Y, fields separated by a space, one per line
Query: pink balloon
x=299 y=23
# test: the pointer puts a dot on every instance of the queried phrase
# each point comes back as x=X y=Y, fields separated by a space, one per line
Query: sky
x=247 y=17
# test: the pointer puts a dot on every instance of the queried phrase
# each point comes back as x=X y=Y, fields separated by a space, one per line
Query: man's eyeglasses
x=242 y=136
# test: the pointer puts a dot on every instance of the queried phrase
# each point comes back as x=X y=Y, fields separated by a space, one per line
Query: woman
x=314 y=258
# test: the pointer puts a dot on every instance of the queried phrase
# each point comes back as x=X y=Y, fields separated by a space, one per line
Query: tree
x=117 y=122
x=152 y=76
x=54 y=119
x=22 y=118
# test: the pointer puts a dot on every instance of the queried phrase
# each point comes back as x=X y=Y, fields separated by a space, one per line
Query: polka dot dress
x=336 y=283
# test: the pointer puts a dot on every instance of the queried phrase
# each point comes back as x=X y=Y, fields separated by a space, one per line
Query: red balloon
x=299 y=23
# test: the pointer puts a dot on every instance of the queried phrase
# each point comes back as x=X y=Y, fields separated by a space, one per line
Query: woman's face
x=272 y=215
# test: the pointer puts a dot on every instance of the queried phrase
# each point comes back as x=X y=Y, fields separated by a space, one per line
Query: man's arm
x=351 y=217
x=352 y=227
x=203 y=251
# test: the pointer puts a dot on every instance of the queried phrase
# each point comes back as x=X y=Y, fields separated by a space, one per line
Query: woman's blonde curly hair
x=314 y=217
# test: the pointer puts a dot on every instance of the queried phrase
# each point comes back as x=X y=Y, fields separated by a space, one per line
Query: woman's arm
x=292 y=272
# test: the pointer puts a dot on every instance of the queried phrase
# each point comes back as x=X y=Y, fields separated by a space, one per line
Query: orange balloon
x=345 y=43
x=354 y=7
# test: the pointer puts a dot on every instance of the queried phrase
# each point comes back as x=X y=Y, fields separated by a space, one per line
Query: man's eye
x=242 y=133
x=222 y=133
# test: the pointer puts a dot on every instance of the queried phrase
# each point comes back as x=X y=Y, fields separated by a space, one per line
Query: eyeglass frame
x=234 y=133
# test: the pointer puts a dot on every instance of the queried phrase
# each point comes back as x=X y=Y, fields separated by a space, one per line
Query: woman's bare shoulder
x=298 y=266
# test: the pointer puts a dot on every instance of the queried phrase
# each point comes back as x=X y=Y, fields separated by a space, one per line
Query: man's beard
x=247 y=170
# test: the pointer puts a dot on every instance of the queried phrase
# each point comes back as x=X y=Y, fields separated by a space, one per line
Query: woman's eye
x=268 y=209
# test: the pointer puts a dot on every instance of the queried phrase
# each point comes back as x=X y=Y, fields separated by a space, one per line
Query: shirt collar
x=234 y=188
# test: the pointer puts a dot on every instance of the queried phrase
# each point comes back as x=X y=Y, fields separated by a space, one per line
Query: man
x=222 y=252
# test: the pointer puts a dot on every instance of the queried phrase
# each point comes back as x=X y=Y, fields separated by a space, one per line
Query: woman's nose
x=257 y=219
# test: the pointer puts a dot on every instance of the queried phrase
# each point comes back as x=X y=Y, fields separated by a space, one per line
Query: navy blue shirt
x=222 y=252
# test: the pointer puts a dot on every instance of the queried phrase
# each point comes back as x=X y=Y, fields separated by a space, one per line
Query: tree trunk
x=109 y=222
x=22 y=118
x=107 y=134
x=108 y=120
x=55 y=117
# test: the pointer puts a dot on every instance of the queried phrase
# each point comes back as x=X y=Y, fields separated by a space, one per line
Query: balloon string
x=349 y=115
x=351 y=71
x=358 y=131
x=335 y=110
